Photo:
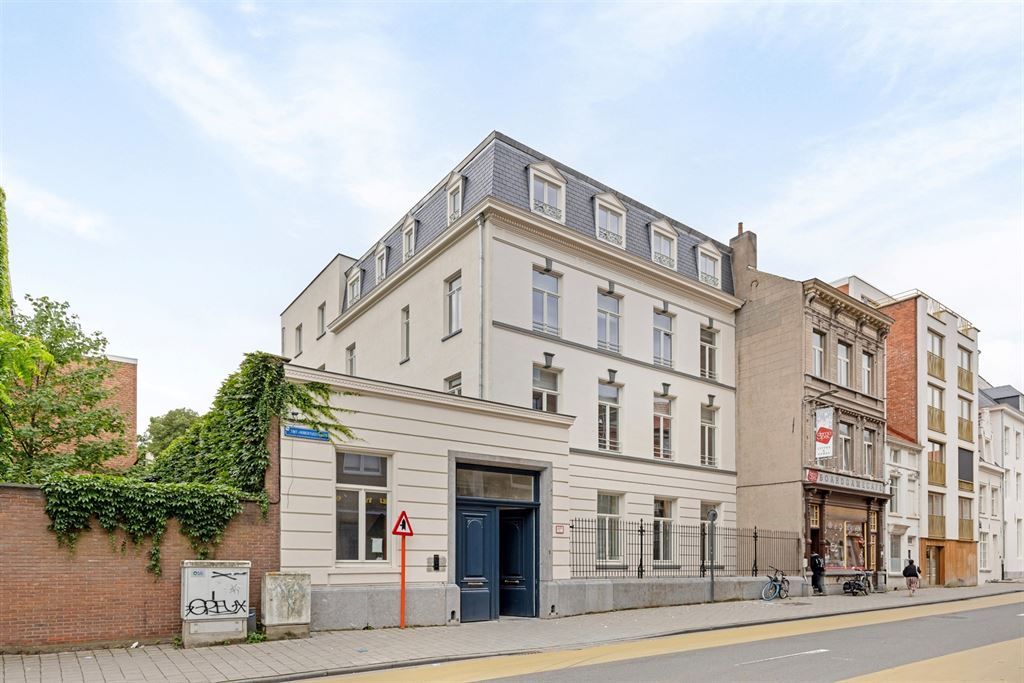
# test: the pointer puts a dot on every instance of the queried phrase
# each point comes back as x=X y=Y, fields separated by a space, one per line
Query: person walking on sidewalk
x=913 y=575
x=818 y=573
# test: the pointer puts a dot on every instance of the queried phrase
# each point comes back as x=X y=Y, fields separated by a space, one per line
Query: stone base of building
x=201 y=633
x=356 y=607
x=286 y=631
x=360 y=607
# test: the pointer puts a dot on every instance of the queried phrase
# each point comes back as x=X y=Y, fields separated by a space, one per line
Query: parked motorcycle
x=861 y=583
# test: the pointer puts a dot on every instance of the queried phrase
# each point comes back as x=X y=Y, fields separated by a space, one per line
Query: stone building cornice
x=838 y=302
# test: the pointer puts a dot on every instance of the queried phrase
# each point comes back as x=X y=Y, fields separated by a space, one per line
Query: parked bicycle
x=777 y=586
x=860 y=583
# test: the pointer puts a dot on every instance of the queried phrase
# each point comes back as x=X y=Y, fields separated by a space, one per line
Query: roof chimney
x=740 y=230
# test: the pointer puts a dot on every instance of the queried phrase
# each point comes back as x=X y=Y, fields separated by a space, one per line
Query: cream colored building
x=811 y=411
x=1001 y=482
x=521 y=281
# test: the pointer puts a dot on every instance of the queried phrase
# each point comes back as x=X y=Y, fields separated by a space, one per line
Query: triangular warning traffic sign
x=403 y=527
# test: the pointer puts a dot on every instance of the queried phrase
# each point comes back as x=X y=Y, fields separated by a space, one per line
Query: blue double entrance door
x=496 y=557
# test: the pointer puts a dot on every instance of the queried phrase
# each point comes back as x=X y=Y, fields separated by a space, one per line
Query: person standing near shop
x=818 y=573
x=913 y=576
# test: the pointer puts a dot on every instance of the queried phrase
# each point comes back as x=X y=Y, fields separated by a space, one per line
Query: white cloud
x=310 y=112
x=50 y=211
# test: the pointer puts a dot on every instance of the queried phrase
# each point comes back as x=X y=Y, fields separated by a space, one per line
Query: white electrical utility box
x=214 y=600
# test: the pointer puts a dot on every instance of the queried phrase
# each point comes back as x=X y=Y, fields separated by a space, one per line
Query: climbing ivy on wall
x=203 y=476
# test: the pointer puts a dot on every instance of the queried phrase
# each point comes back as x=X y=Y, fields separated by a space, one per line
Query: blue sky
x=178 y=172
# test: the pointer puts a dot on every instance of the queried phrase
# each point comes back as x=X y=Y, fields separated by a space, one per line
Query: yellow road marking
x=502 y=666
x=996 y=662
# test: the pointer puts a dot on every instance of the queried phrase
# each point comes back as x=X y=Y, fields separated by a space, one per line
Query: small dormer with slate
x=547 y=190
x=456 y=195
x=610 y=219
x=664 y=243
x=709 y=264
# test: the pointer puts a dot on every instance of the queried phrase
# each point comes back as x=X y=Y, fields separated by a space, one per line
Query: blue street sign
x=306 y=433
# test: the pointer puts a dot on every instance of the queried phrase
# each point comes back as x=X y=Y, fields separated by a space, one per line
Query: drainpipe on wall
x=481 y=223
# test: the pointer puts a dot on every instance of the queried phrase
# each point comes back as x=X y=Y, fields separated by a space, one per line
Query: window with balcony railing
x=936 y=419
x=965 y=429
x=936 y=366
x=936 y=463
x=937 y=526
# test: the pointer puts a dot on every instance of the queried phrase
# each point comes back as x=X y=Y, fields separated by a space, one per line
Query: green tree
x=6 y=298
x=21 y=359
x=163 y=429
x=59 y=420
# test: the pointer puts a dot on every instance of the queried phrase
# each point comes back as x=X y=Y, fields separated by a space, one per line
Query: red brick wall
x=901 y=369
x=52 y=597
x=123 y=385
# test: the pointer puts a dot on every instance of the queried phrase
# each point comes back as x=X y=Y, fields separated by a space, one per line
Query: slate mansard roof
x=498 y=168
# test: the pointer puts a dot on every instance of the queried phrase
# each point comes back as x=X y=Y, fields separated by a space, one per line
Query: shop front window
x=845 y=540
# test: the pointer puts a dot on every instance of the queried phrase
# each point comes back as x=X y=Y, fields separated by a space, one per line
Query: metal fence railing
x=609 y=547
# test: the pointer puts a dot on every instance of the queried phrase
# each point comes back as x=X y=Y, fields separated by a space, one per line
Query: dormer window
x=355 y=286
x=408 y=240
x=455 y=194
x=709 y=261
x=663 y=244
x=610 y=218
x=547 y=191
x=381 y=263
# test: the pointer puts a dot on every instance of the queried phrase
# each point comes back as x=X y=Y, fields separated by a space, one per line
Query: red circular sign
x=812 y=476
x=823 y=435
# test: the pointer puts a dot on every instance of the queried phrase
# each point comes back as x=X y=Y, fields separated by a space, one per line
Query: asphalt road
x=826 y=656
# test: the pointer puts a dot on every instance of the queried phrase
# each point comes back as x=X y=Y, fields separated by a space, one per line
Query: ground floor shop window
x=895 y=553
x=844 y=539
x=361 y=507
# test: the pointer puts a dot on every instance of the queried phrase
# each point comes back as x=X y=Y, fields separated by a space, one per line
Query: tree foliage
x=6 y=296
x=163 y=429
x=59 y=420
x=204 y=474
x=21 y=359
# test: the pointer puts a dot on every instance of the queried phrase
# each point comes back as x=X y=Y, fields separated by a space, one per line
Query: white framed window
x=997 y=502
x=608 y=306
x=936 y=397
x=284 y=332
x=708 y=352
x=545 y=302
x=935 y=342
x=709 y=261
x=708 y=436
x=381 y=263
x=662 y=339
x=406 y=331
x=547 y=191
x=663 y=427
x=662 y=537
x=545 y=389
x=867 y=372
x=453 y=384
x=361 y=508
x=982 y=497
x=610 y=219
x=321 y=319
x=964 y=359
x=845 y=446
x=818 y=353
x=965 y=409
x=608 y=396
x=453 y=303
x=869 y=452
x=455 y=196
x=408 y=240
x=663 y=244
x=298 y=339
x=609 y=527
x=895 y=553
x=894 y=492
x=843 y=364
x=983 y=549
x=355 y=286
x=350 y=359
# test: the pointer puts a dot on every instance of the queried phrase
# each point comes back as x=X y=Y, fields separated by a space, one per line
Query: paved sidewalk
x=338 y=652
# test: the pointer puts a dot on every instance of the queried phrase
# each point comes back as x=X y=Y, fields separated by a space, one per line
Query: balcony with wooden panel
x=965 y=485
x=936 y=473
x=936 y=366
x=965 y=379
x=937 y=526
x=936 y=419
x=966 y=529
x=965 y=429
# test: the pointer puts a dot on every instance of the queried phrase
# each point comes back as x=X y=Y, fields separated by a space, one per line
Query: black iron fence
x=608 y=547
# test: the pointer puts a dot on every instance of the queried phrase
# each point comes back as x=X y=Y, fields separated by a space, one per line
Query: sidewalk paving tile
x=340 y=650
